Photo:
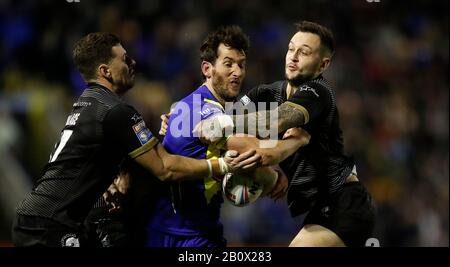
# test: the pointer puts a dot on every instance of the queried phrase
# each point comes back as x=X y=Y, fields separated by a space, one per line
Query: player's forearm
x=287 y=115
x=168 y=167
x=268 y=177
x=180 y=168
x=254 y=122
x=282 y=150
x=278 y=120
x=270 y=154
x=242 y=123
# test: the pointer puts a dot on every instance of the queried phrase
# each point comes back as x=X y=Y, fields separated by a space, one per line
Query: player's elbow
x=167 y=175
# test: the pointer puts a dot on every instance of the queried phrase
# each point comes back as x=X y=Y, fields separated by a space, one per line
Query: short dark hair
x=325 y=35
x=231 y=36
x=92 y=50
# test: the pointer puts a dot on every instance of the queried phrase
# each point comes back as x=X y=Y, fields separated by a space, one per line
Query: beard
x=220 y=88
x=125 y=85
x=299 y=79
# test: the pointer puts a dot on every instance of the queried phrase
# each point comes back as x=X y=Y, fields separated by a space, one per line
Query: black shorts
x=350 y=213
x=33 y=231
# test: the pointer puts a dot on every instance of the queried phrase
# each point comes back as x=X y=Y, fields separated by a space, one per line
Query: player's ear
x=104 y=71
x=206 y=69
x=324 y=64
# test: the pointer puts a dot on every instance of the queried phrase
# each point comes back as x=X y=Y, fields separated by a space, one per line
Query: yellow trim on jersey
x=211 y=188
x=213 y=102
x=146 y=147
x=211 y=185
x=301 y=108
x=213 y=152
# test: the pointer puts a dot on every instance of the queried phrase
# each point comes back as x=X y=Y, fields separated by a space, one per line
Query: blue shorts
x=157 y=238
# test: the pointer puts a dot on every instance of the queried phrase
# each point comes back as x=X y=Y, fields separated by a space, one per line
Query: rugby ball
x=241 y=191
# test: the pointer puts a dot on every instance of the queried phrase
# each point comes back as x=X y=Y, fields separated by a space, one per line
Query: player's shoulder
x=264 y=92
x=195 y=96
x=101 y=96
x=122 y=112
x=185 y=105
x=201 y=98
x=319 y=87
x=275 y=86
x=319 y=83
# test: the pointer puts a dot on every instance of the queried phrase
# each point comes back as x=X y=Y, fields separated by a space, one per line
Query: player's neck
x=290 y=90
x=216 y=95
x=106 y=84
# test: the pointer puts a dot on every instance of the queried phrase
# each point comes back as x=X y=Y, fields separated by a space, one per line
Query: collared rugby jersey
x=190 y=207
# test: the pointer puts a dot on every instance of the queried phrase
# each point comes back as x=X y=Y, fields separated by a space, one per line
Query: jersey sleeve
x=126 y=129
x=311 y=99
x=253 y=95
x=250 y=96
x=263 y=94
x=209 y=109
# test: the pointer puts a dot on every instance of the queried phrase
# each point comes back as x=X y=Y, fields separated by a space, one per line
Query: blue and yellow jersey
x=190 y=207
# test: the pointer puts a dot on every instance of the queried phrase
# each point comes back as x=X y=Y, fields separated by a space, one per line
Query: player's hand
x=298 y=133
x=122 y=182
x=280 y=188
x=164 y=124
x=116 y=193
x=113 y=198
x=213 y=129
x=244 y=162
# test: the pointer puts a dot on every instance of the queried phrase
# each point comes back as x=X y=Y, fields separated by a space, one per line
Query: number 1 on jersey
x=64 y=138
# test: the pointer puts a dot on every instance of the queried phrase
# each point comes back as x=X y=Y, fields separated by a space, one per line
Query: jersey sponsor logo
x=209 y=110
x=82 y=104
x=142 y=132
x=245 y=100
x=70 y=240
x=139 y=126
x=72 y=119
x=307 y=88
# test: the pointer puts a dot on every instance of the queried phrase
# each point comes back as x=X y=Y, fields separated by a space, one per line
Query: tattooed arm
x=260 y=124
x=287 y=115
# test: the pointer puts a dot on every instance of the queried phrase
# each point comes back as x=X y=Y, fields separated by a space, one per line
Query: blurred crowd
x=390 y=73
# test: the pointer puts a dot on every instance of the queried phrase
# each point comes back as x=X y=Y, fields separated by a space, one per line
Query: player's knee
x=316 y=236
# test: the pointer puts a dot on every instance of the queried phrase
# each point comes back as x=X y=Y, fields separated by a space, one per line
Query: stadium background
x=390 y=73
